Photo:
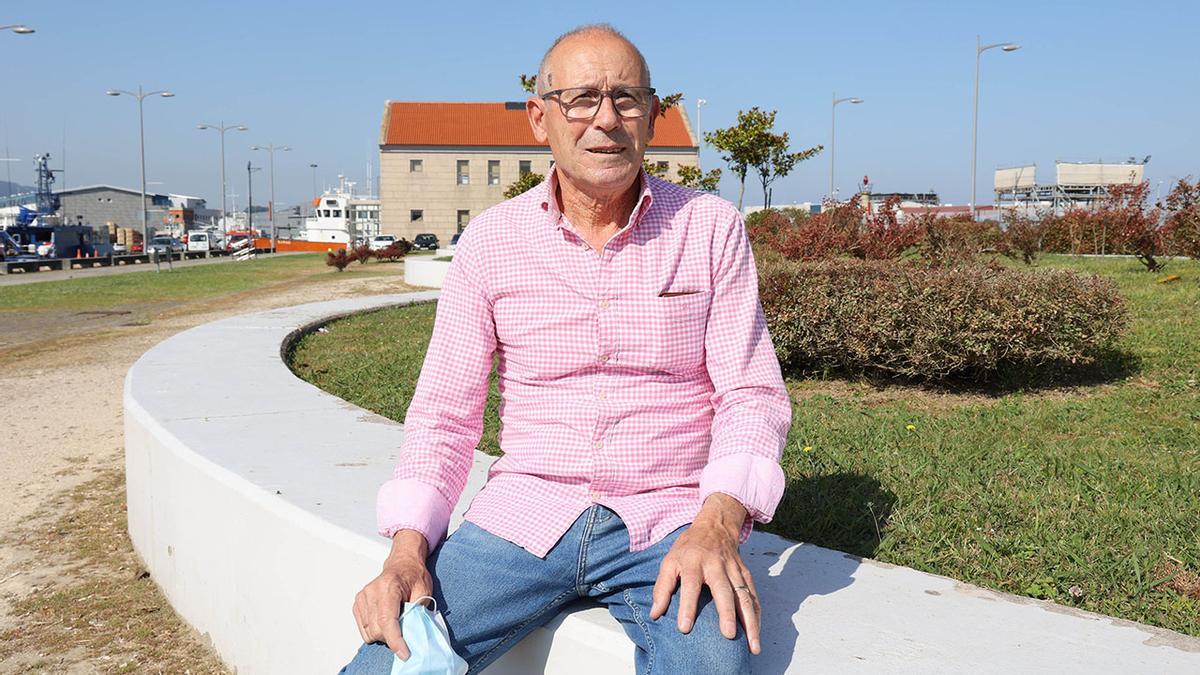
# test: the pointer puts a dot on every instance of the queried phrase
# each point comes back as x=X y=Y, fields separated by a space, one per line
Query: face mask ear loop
x=418 y=604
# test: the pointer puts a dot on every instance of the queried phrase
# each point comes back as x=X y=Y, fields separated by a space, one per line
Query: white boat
x=340 y=217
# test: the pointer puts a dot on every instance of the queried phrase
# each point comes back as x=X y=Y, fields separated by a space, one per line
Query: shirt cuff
x=409 y=504
x=756 y=482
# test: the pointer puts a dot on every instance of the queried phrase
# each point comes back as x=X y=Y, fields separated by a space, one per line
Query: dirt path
x=61 y=481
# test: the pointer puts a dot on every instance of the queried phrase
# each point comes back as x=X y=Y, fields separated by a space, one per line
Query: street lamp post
x=222 y=128
x=141 y=96
x=18 y=29
x=1004 y=46
x=271 y=148
x=833 y=133
x=699 y=129
x=314 y=168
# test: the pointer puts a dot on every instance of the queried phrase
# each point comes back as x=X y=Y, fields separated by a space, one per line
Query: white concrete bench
x=251 y=500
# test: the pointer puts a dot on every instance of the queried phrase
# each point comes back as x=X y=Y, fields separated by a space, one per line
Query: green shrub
x=932 y=323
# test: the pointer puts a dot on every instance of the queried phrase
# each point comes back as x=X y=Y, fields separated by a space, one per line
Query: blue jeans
x=492 y=593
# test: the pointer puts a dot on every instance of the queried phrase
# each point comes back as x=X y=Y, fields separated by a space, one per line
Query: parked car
x=382 y=241
x=426 y=241
x=235 y=241
x=454 y=241
x=166 y=245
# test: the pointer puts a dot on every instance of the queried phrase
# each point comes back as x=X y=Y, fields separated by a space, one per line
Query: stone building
x=441 y=164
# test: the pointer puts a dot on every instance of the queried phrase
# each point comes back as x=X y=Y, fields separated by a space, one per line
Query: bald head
x=591 y=33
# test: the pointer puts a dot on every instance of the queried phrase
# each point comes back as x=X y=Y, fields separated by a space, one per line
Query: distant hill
x=7 y=188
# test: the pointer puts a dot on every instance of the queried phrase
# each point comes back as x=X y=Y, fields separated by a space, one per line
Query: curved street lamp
x=271 y=148
x=833 y=136
x=1004 y=46
x=222 y=128
x=18 y=29
x=141 y=96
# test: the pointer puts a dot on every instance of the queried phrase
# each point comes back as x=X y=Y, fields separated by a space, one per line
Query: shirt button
x=603 y=358
x=604 y=304
x=596 y=496
x=598 y=445
x=600 y=395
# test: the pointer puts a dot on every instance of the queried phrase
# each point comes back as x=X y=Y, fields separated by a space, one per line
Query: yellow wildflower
x=808 y=448
x=911 y=427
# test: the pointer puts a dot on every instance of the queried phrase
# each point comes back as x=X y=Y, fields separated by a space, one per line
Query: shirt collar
x=554 y=212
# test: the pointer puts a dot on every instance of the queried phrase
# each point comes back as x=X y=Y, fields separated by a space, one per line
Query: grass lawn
x=185 y=283
x=1087 y=495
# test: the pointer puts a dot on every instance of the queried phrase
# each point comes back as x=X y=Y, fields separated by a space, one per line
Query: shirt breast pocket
x=679 y=323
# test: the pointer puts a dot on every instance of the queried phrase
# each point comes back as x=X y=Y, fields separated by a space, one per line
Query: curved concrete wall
x=425 y=271
x=251 y=497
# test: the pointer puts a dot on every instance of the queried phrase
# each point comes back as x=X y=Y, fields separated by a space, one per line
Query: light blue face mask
x=428 y=643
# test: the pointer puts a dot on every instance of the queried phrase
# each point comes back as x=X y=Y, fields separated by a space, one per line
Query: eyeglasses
x=583 y=103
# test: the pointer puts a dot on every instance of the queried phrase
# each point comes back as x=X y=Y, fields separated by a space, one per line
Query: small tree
x=778 y=162
x=522 y=184
x=753 y=143
x=529 y=83
x=692 y=177
x=1135 y=227
x=1183 y=217
x=1022 y=237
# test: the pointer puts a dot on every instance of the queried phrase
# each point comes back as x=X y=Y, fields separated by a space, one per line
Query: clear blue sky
x=1093 y=80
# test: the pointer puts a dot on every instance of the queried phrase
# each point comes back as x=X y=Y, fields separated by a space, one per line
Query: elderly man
x=643 y=409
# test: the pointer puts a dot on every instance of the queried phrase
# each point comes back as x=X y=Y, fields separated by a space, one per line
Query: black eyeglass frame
x=604 y=93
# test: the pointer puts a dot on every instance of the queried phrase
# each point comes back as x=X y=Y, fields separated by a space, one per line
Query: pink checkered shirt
x=641 y=377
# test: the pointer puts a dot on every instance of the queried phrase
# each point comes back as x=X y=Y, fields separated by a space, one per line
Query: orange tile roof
x=491 y=124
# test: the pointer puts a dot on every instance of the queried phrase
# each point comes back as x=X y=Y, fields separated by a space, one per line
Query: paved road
x=59 y=275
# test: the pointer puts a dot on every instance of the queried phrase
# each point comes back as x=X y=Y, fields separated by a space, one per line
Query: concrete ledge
x=251 y=497
x=423 y=271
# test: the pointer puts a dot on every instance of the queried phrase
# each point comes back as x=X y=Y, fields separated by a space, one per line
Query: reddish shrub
x=339 y=259
x=1183 y=218
x=931 y=323
x=361 y=252
x=1136 y=228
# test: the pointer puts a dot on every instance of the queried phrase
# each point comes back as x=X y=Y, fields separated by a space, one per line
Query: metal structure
x=833 y=133
x=1004 y=46
x=1077 y=184
x=271 y=148
x=222 y=128
x=141 y=96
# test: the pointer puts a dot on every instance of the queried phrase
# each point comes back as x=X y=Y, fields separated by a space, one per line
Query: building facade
x=98 y=205
x=441 y=164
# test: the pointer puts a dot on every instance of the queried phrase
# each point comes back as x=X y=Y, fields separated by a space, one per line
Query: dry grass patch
x=91 y=604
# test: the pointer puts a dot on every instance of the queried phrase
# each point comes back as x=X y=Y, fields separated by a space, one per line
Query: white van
x=200 y=240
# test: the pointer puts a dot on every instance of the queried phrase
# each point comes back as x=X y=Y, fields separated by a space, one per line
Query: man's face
x=602 y=155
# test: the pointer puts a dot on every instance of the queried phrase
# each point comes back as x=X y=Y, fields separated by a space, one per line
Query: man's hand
x=404 y=579
x=706 y=554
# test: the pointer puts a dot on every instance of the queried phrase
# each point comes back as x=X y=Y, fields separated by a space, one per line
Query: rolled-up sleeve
x=445 y=418
x=752 y=410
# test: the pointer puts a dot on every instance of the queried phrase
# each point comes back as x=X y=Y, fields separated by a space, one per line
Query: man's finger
x=664 y=588
x=689 y=597
x=749 y=610
x=386 y=621
x=723 y=597
x=394 y=639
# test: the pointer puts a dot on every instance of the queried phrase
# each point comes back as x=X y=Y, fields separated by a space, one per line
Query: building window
x=663 y=168
x=464 y=172
x=464 y=217
x=493 y=172
x=526 y=166
x=415 y=166
x=415 y=215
